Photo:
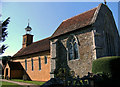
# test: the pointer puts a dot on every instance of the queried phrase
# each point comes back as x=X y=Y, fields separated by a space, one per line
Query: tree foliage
x=3 y=33
x=5 y=59
x=64 y=73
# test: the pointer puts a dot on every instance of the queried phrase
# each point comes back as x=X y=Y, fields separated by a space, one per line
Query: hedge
x=108 y=65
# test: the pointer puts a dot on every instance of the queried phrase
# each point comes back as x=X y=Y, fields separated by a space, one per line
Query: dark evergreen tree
x=3 y=33
x=5 y=59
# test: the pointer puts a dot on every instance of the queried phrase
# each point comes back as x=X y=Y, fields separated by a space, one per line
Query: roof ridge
x=80 y=14
x=81 y=20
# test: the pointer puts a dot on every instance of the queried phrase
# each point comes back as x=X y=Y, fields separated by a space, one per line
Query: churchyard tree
x=3 y=34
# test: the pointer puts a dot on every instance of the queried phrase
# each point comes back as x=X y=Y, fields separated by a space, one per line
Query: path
x=20 y=83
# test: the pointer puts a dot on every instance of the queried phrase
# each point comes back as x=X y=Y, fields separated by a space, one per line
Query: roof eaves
x=29 y=54
x=70 y=31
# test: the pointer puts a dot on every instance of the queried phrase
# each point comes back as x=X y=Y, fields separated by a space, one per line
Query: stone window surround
x=76 y=40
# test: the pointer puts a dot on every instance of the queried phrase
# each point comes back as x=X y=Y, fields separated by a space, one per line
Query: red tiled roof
x=39 y=46
x=75 y=22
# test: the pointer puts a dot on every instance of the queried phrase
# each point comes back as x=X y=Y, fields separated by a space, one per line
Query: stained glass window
x=72 y=48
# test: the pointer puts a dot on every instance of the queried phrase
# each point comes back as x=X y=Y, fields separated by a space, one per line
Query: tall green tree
x=3 y=34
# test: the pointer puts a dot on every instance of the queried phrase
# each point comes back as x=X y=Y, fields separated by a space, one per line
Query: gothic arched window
x=72 y=45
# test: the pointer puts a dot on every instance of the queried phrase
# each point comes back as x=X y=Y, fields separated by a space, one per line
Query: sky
x=44 y=18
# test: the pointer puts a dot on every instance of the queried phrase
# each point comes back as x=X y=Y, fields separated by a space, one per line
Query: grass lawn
x=7 y=84
x=32 y=82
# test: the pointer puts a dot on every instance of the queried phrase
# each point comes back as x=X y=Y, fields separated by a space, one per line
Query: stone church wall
x=86 y=50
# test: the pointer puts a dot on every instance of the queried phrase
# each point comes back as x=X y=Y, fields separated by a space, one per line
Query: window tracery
x=72 y=45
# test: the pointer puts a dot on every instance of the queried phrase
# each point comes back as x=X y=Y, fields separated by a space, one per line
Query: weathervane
x=28 y=28
x=28 y=22
x=105 y=2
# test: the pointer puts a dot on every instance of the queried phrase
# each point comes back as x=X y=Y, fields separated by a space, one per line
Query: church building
x=75 y=44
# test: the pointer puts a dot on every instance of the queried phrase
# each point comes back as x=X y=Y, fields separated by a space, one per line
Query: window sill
x=74 y=59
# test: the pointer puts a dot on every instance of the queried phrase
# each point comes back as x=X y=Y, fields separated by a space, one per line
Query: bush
x=107 y=65
x=63 y=73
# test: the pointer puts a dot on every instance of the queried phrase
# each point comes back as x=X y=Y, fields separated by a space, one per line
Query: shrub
x=63 y=73
x=107 y=65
